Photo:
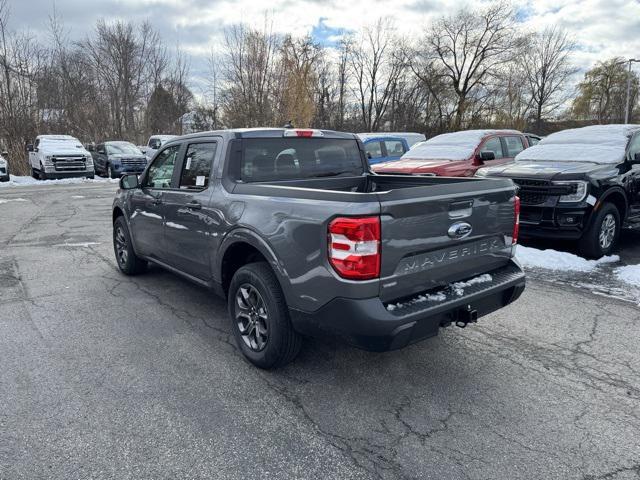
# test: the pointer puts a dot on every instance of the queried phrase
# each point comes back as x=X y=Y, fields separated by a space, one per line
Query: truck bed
x=416 y=214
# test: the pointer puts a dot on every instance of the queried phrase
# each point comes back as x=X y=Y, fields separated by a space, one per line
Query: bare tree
x=376 y=62
x=250 y=73
x=128 y=61
x=548 y=69
x=21 y=60
x=470 y=46
x=300 y=59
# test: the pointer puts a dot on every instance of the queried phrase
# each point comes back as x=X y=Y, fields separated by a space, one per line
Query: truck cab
x=458 y=154
x=59 y=156
x=388 y=147
x=580 y=184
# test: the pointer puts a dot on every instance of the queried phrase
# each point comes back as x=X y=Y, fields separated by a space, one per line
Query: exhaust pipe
x=465 y=316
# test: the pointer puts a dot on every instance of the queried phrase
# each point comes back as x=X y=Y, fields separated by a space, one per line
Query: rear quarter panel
x=295 y=230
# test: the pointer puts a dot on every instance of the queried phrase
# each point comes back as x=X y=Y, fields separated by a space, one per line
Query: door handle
x=194 y=205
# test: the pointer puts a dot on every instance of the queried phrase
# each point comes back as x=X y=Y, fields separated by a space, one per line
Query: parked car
x=116 y=158
x=59 y=156
x=154 y=143
x=388 y=147
x=4 y=167
x=581 y=184
x=291 y=226
x=458 y=154
x=533 y=139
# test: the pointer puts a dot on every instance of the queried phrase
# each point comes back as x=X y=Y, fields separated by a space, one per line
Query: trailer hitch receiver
x=465 y=316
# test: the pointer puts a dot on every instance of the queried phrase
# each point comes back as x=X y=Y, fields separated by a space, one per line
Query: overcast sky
x=601 y=28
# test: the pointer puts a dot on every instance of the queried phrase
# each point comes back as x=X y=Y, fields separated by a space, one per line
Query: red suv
x=458 y=154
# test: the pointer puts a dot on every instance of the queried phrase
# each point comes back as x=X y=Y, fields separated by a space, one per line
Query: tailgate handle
x=461 y=209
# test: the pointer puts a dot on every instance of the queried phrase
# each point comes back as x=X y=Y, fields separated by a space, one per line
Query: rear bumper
x=370 y=325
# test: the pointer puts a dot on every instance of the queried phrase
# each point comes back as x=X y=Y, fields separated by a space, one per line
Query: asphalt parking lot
x=107 y=376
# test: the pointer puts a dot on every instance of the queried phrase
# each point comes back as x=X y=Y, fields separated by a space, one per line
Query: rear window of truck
x=272 y=159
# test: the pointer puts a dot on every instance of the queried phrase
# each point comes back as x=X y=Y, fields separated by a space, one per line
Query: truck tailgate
x=438 y=234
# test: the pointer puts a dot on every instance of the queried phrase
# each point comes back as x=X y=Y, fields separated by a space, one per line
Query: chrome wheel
x=251 y=317
x=607 y=231
x=122 y=251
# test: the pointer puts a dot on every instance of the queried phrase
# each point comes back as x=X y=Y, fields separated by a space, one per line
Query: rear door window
x=196 y=167
x=514 y=145
x=373 y=149
x=395 y=148
x=272 y=159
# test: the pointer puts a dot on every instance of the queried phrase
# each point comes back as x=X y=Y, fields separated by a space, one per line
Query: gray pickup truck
x=302 y=239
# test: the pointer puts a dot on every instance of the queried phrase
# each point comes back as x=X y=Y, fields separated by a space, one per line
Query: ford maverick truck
x=302 y=238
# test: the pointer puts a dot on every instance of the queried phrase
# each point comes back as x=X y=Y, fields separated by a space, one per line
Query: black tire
x=281 y=342
x=42 y=175
x=109 y=173
x=591 y=245
x=34 y=173
x=128 y=262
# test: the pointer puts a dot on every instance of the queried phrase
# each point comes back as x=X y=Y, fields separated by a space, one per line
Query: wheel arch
x=244 y=246
x=617 y=197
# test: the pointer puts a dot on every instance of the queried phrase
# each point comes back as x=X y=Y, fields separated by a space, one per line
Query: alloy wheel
x=607 y=231
x=121 y=246
x=251 y=317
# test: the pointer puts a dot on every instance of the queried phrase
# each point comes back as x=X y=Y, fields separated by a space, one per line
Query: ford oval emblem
x=459 y=230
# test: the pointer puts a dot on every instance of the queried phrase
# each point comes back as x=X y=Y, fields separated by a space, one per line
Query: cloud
x=601 y=28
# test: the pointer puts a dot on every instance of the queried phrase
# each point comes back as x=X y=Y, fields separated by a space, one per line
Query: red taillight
x=516 y=225
x=354 y=247
x=304 y=133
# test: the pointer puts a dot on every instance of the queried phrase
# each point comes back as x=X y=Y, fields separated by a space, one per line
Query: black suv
x=580 y=184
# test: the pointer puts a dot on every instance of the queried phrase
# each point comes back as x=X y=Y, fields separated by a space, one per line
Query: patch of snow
x=629 y=274
x=77 y=196
x=18 y=181
x=596 y=143
x=80 y=244
x=6 y=200
x=410 y=137
x=555 y=260
x=457 y=288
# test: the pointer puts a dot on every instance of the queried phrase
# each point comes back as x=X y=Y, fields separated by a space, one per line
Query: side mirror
x=30 y=147
x=91 y=148
x=369 y=155
x=486 y=156
x=129 y=182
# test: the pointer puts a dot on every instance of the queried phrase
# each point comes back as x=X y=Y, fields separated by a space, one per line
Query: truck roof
x=595 y=143
x=410 y=137
x=265 y=132
x=452 y=146
x=56 y=137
